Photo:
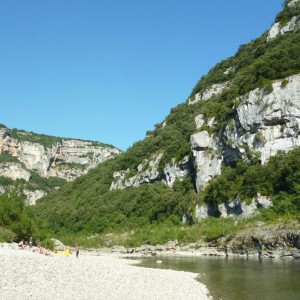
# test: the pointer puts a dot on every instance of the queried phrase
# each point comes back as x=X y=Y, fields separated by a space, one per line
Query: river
x=239 y=278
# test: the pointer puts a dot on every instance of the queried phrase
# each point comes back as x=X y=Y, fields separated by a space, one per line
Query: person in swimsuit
x=21 y=244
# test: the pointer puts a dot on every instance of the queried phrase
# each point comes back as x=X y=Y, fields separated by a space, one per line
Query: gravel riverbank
x=29 y=275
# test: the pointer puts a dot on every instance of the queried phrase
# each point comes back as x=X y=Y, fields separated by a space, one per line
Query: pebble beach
x=29 y=275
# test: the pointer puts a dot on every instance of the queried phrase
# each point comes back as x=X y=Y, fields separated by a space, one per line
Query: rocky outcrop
x=148 y=172
x=66 y=159
x=14 y=171
x=199 y=120
x=173 y=170
x=73 y=158
x=277 y=29
x=293 y=3
x=207 y=158
x=291 y=26
x=265 y=239
x=271 y=121
x=57 y=244
x=215 y=89
x=34 y=156
x=33 y=196
x=232 y=208
x=266 y=122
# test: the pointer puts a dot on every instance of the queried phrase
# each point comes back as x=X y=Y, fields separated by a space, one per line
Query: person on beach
x=30 y=242
x=67 y=251
x=21 y=244
x=77 y=251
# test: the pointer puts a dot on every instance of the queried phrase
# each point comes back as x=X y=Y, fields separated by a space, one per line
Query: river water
x=239 y=278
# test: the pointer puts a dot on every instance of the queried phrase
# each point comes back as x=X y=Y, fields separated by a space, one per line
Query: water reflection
x=239 y=278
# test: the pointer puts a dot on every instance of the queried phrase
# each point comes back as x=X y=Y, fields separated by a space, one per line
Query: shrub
x=213 y=228
x=6 y=235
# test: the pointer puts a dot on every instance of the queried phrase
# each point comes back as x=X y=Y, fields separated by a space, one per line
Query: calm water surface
x=239 y=278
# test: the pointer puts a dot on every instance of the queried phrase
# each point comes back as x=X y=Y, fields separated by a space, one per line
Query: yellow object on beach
x=65 y=252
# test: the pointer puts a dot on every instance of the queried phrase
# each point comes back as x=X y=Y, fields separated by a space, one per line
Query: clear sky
x=109 y=70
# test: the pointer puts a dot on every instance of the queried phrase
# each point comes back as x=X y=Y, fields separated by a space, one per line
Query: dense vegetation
x=94 y=208
x=152 y=212
x=16 y=220
x=6 y=158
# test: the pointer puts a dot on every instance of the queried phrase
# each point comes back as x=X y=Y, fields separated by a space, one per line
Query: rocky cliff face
x=66 y=159
x=235 y=207
x=148 y=172
x=291 y=26
x=265 y=120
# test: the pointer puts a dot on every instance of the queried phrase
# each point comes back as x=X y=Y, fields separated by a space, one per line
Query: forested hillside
x=143 y=194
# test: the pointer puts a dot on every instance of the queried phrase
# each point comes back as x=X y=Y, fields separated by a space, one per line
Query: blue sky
x=109 y=70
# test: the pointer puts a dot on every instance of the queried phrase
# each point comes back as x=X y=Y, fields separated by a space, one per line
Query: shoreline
x=292 y=254
x=108 y=273
x=185 y=251
x=30 y=275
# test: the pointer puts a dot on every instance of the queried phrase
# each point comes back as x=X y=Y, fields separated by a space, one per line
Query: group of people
x=42 y=250
x=45 y=251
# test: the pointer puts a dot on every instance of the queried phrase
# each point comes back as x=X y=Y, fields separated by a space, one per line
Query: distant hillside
x=226 y=151
x=33 y=164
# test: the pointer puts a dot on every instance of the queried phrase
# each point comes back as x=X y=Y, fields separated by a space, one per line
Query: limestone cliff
x=281 y=28
x=63 y=158
x=148 y=172
x=263 y=120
